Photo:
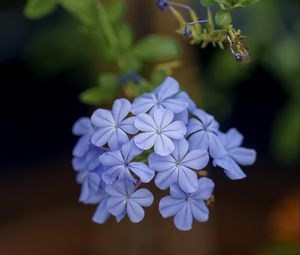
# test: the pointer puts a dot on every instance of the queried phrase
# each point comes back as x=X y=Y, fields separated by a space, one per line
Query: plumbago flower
x=161 y=132
x=235 y=155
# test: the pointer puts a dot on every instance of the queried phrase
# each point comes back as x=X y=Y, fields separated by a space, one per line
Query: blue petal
x=165 y=179
x=127 y=126
x=176 y=130
x=85 y=191
x=232 y=138
x=169 y=206
x=118 y=189
x=243 y=156
x=101 y=214
x=191 y=104
x=205 y=189
x=145 y=140
x=120 y=109
x=82 y=146
x=102 y=135
x=232 y=170
x=183 y=219
x=143 y=104
x=199 y=210
x=82 y=126
x=204 y=117
x=161 y=163
x=181 y=149
x=215 y=147
x=168 y=88
x=145 y=122
x=196 y=159
x=134 y=211
x=121 y=216
x=187 y=179
x=182 y=116
x=143 y=197
x=194 y=125
x=162 y=118
x=176 y=192
x=112 y=173
x=117 y=139
x=111 y=158
x=130 y=150
x=102 y=118
x=116 y=205
x=145 y=173
x=199 y=141
x=163 y=145
x=174 y=104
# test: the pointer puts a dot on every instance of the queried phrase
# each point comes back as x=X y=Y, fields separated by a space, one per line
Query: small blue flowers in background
x=163 y=136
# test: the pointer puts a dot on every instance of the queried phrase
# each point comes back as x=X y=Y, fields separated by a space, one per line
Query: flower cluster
x=161 y=135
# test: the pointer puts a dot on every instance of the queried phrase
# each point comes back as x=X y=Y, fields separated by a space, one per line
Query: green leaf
x=156 y=48
x=115 y=10
x=38 y=8
x=223 y=18
x=207 y=2
x=104 y=92
x=125 y=35
x=251 y=2
x=84 y=10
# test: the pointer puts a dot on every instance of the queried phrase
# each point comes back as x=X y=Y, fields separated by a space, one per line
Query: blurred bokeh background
x=46 y=63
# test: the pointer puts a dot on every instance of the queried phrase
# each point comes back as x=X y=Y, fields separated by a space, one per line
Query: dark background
x=38 y=194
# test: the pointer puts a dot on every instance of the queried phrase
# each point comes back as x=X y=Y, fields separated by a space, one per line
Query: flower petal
x=199 y=210
x=175 y=105
x=135 y=211
x=162 y=118
x=176 y=192
x=82 y=126
x=143 y=197
x=101 y=214
x=182 y=116
x=203 y=116
x=145 y=173
x=145 y=140
x=102 y=118
x=194 y=125
x=205 y=189
x=181 y=149
x=111 y=158
x=168 y=88
x=130 y=150
x=82 y=146
x=169 y=206
x=199 y=141
x=215 y=147
x=112 y=173
x=163 y=145
x=145 y=122
x=187 y=179
x=120 y=109
x=232 y=169
x=127 y=126
x=191 y=104
x=116 y=205
x=176 y=130
x=165 y=179
x=243 y=156
x=102 y=135
x=117 y=139
x=118 y=189
x=183 y=219
x=232 y=138
x=196 y=159
x=161 y=163
x=143 y=104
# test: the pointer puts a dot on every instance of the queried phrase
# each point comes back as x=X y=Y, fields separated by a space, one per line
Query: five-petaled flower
x=112 y=127
x=158 y=130
x=186 y=206
x=203 y=133
x=178 y=167
x=235 y=156
x=119 y=165
x=163 y=97
x=124 y=199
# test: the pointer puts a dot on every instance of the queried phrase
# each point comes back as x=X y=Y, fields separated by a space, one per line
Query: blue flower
x=178 y=167
x=162 y=97
x=161 y=4
x=191 y=106
x=157 y=131
x=203 y=132
x=124 y=199
x=112 y=125
x=235 y=155
x=186 y=206
x=82 y=127
x=119 y=165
